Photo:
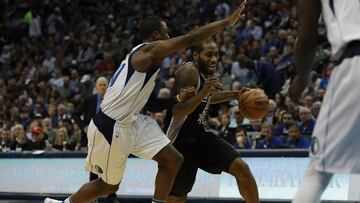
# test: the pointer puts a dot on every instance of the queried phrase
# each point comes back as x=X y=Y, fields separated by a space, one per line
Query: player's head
x=206 y=55
x=101 y=85
x=153 y=28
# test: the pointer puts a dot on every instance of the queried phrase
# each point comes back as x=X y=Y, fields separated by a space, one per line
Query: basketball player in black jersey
x=184 y=126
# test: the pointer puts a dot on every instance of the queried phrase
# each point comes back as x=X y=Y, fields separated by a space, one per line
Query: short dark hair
x=198 y=48
x=148 y=25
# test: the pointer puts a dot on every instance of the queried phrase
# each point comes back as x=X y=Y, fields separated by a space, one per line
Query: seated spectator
x=266 y=138
x=4 y=140
x=224 y=130
x=21 y=142
x=242 y=141
x=315 y=109
x=307 y=122
x=38 y=138
x=73 y=137
x=254 y=129
x=286 y=120
x=48 y=130
x=270 y=117
x=296 y=140
x=61 y=139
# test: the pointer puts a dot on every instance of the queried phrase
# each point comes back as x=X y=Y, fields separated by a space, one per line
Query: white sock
x=157 y=201
x=68 y=200
x=312 y=186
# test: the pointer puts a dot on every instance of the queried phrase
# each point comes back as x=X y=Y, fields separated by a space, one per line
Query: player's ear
x=195 y=55
x=156 y=35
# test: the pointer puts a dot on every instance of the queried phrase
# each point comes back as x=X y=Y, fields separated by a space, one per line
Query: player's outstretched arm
x=305 y=45
x=155 y=51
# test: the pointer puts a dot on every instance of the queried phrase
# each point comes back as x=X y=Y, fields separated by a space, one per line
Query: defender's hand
x=237 y=15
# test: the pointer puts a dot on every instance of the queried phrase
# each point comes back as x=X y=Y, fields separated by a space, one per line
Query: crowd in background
x=53 y=51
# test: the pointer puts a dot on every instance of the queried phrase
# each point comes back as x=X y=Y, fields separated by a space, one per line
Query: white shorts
x=337 y=131
x=143 y=138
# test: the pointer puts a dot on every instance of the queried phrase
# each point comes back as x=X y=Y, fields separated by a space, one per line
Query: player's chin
x=211 y=70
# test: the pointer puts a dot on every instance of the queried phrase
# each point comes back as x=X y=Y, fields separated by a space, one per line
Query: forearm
x=219 y=97
x=204 y=32
x=160 y=104
x=186 y=107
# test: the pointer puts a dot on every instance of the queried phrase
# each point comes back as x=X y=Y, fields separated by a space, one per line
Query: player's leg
x=152 y=143
x=313 y=185
x=111 y=197
x=107 y=162
x=186 y=176
x=169 y=161
x=217 y=156
x=92 y=190
x=245 y=180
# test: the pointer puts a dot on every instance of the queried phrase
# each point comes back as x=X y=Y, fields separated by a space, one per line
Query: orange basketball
x=254 y=104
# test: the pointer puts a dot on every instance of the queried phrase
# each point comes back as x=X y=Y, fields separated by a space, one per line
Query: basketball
x=254 y=104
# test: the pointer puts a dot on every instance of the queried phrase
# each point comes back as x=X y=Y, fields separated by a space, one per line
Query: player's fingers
x=243 y=90
x=243 y=3
x=242 y=6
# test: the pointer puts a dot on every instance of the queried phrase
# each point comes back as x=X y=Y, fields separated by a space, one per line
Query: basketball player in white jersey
x=336 y=134
x=118 y=130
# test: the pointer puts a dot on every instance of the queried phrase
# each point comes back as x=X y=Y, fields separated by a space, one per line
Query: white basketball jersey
x=342 y=19
x=128 y=91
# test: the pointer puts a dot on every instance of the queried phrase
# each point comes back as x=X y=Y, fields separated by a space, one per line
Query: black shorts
x=209 y=153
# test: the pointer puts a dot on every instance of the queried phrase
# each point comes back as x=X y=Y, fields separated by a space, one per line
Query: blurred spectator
x=159 y=118
x=21 y=142
x=38 y=138
x=266 y=139
x=242 y=141
x=5 y=140
x=307 y=122
x=315 y=109
x=88 y=108
x=286 y=120
x=296 y=140
x=225 y=131
x=48 y=130
x=61 y=139
x=270 y=117
x=255 y=128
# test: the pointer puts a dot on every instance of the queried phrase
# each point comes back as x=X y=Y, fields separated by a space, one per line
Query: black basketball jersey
x=192 y=126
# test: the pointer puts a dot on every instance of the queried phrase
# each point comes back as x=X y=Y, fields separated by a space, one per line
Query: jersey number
x=116 y=75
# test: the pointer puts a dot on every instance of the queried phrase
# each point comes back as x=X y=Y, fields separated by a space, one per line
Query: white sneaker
x=48 y=200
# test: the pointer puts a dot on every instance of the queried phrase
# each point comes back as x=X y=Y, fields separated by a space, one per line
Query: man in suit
x=88 y=109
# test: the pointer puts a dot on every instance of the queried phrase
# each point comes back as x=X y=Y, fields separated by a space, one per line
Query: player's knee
x=112 y=189
x=107 y=188
x=240 y=169
x=176 y=199
x=172 y=162
x=175 y=161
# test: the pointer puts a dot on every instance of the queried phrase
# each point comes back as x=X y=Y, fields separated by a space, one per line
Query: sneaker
x=48 y=200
